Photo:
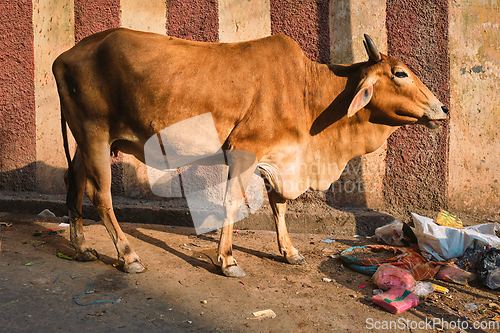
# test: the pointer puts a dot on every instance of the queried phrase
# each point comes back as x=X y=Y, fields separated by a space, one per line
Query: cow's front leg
x=242 y=165
x=225 y=257
x=278 y=205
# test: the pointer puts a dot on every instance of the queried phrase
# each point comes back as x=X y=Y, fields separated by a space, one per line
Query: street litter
x=440 y=289
x=396 y=300
x=47 y=213
x=488 y=269
x=62 y=256
x=470 y=259
x=471 y=307
x=455 y=274
x=388 y=276
x=418 y=266
x=423 y=288
x=443 y=243
x=87 y=291
x=396 y=233
x=371 y=257
x=264 y=314
x=326 y=279
x=446 y=219
x=328 y=240
x=64 y=224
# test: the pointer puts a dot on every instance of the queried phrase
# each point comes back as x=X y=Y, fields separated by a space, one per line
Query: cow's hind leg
x=278 y=205
x=75 y=182
x=98 y=189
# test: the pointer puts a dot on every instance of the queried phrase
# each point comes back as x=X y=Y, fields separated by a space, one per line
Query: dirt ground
x=183 y=291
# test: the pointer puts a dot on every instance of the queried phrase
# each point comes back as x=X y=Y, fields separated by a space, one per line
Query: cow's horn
x=371 y=49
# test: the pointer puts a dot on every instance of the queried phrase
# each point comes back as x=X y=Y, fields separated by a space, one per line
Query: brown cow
x=120 y=87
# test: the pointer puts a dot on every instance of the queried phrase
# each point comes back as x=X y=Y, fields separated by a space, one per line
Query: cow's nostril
x=445 y=109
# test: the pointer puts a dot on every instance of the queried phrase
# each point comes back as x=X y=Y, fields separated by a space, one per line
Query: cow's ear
x=363 y=95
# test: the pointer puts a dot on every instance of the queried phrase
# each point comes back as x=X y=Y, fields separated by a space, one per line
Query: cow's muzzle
x=433 y=123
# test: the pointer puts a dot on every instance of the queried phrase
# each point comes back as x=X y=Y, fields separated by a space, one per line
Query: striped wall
x=452 y=45
x=17 y=97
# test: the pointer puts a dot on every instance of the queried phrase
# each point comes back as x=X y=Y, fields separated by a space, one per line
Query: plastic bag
x=493 y=279
x=396 y=233
x=469 y=261
x=442 y=243
x=447 y=219
x=455 y=274
x=423 y=288
x=396 y=300
x=391 y=234
x=488 y=269
x=389 y=276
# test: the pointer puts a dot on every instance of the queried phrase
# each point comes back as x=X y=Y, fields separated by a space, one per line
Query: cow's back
x=133 y=84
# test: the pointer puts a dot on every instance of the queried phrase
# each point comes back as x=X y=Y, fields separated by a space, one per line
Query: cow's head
x=393 y=94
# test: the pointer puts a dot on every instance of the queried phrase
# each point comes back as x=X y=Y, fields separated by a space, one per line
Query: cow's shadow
x=206 y=257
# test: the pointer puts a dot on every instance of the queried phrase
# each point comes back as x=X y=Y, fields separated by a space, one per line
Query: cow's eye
x=400 y=74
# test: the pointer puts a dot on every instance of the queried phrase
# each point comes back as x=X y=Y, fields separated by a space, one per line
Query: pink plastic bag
x=388 y=276
x=396 y=300
x=455 y=274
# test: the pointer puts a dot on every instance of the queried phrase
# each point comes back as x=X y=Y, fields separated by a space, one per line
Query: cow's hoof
x=89 y=255
x=297 y=259
x=233 y=271
x=135 y=267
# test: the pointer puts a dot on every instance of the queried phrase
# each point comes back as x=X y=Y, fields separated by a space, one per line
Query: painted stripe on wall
x=188 y=19
x=17 y=97
x=416 y=159
x=53 y=25
x=362 y=181
x=148 y=16
x=91 y=17
x=145 y=15
x=243 y=20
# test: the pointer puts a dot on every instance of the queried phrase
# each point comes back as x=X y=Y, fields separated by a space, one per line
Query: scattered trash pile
x=442 y=249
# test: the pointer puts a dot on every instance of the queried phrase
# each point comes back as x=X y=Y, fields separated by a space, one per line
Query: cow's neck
x=337 y=137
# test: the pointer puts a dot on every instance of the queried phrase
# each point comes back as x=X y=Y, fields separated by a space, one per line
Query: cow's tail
x=72 y=193
x=63 y=80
